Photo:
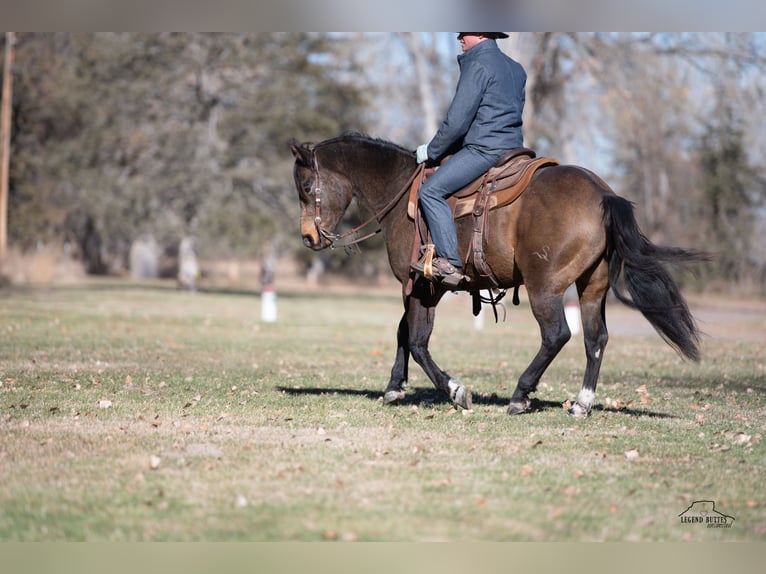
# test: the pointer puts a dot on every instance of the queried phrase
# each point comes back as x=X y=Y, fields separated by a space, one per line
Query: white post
x=268 y=304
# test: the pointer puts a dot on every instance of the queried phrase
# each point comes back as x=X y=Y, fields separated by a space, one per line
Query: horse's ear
x=300 y=151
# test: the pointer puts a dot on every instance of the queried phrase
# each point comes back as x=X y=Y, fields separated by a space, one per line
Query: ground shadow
x=324 y=391
x=428 y=396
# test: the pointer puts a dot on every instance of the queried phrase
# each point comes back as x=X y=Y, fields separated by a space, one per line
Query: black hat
x=493 y=35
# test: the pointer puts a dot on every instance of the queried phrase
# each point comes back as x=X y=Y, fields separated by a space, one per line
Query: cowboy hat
x=494 y=35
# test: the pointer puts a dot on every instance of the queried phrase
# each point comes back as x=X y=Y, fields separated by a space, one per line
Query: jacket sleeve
x=465 y=103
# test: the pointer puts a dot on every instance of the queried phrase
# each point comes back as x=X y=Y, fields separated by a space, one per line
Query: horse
x=568 y=227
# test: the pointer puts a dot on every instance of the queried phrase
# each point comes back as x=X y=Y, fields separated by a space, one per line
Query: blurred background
x=165 y=156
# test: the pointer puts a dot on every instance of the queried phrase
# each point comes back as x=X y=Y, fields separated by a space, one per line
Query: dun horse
x=567 y=227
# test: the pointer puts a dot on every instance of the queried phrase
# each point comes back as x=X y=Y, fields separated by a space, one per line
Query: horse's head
x=324 y=195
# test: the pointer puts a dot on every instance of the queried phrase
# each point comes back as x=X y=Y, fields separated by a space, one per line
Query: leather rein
x=333 y=238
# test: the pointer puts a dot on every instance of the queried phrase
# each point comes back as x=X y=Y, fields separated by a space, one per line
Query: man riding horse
x=483 y=122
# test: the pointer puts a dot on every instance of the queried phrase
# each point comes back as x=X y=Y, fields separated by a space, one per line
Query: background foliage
x=121 y=136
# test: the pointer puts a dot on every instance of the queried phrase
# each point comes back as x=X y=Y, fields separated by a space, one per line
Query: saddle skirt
x=506 y=181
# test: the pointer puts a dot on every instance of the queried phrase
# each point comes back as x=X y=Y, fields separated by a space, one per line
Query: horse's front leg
x=413 y=337
x=395 y=389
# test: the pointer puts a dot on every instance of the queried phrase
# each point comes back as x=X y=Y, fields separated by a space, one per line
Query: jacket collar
x=487 y=45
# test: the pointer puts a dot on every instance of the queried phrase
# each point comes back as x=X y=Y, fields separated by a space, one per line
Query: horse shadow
x=425 y=396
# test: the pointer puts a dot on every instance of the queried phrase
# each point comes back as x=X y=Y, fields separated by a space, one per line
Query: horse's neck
x=381 y=176
x=376 y=188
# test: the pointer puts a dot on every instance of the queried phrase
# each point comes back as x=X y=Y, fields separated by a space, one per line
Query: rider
x=482 y=123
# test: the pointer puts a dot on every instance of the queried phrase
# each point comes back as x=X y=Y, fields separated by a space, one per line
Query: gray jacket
x=485 y=112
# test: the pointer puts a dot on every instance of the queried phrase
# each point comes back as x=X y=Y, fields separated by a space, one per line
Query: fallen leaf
x=526 y=470
x=577 y=474
x=616 y=404
x=571 y=491
x=631 y=454
x=742 y=439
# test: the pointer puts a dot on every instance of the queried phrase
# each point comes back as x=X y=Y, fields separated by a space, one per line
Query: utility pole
x=5 y=140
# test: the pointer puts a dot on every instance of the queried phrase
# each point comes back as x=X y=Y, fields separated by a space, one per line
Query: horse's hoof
x=518 y=407
x=391 y=397
x=460 y=395
x=578 y=411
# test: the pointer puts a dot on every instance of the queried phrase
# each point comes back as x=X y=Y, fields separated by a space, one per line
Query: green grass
x=277 y=431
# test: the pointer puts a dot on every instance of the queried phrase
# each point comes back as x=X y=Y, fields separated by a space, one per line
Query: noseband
x=333 y=238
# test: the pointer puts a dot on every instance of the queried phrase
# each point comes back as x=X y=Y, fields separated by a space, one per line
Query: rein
x=333 y=238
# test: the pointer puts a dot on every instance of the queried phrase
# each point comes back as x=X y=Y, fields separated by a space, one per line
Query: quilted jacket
x=485 y=112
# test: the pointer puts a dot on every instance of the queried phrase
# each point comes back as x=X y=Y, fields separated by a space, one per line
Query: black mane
x=361 y=138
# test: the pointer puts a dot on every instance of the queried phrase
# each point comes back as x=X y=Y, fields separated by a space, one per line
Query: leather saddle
x=501 y=185
x=504 y=183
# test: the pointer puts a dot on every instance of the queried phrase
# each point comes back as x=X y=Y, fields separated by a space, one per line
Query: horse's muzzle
x=315 y=242
x=309 y=241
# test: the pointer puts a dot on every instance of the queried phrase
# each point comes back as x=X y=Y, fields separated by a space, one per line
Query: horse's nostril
x=308 y=241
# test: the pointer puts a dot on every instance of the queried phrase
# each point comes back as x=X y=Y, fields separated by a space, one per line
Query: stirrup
x=439 y=270
x=426 y=263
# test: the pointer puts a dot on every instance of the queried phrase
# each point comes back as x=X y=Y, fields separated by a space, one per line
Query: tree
x=169 y=135
x=632 y=106
x=732 y=191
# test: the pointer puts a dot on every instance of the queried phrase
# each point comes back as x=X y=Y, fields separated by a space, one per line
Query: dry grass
x=133 y=413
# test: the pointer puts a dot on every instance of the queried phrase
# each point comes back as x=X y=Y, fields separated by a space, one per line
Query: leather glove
x=422 y=153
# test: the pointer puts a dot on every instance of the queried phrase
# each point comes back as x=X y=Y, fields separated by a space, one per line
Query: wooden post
x=5 y=140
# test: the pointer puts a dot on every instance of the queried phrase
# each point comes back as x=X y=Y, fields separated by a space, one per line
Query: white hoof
x=460 y=395
x=392 y=397
x=581 y=407
x=578 y=411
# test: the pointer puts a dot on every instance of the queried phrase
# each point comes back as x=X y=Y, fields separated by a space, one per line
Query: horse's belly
x=498 y=244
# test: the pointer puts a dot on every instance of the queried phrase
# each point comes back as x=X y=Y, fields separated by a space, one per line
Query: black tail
x=652 y=289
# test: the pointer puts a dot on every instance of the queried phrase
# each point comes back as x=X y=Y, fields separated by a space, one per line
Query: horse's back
x=556 y=224
x=561 y=200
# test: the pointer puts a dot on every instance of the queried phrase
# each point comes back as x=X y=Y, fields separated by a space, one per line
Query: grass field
x=133 y=413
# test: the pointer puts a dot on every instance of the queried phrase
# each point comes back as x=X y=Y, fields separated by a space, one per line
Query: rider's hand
x=422 y=153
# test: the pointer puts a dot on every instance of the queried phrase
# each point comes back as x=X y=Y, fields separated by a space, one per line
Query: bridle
x=333 y=238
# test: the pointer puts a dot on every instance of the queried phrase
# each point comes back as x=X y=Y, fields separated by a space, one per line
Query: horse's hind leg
x=548 y=309
x=592 y=289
